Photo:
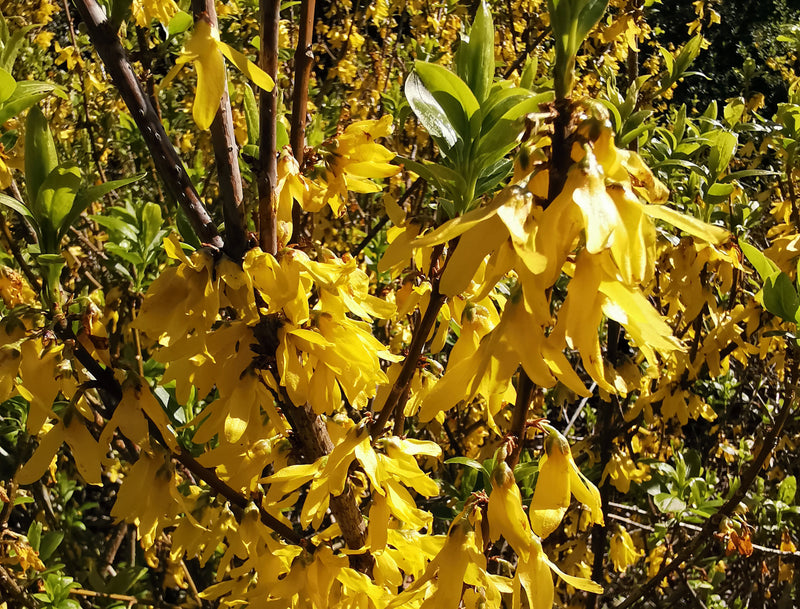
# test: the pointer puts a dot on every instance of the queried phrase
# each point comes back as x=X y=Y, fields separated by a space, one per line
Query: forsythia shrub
x=273 y=401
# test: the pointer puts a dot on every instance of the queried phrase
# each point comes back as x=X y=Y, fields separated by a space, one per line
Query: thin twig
x=165 y=158
x=303 y=61
x=706 y=534
x=403 y=381
x=696 y=528
x=33 y=280
x=267 y=175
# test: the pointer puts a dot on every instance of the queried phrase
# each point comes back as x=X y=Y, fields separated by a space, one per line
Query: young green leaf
x=429 y=112
x=40 y=153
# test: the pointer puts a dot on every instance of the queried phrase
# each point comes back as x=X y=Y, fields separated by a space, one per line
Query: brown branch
x=559 y=165
x=166 y=160
x=113 y=547
x=403 y=381
x=606 y=441
x=706 y=534
x=233 y=496
x=14 y=590
x=303 y=60
x=33 y=280
x=519 y=417
x=267 y=175
x=226 y=154
x=529 y=48
x=316 y=443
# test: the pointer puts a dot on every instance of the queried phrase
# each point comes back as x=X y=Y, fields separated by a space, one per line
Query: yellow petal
x=581 y=583
x=551 y=497
x=505 y=513
x=38 y=463
x=210 y=68
x=258 y=76
x=600 y=216
x=585 y=492
x=693 y=226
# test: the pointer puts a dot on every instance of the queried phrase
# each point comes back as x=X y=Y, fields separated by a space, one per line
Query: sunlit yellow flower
x=144 y=11
x=353 y=161
x=149 y=497
x=622 y=550
x=622 y=470
x=559 y=477
x=205 y=50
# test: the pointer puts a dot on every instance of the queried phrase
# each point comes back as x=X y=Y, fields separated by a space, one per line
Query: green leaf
x=504 y=135
x=13 y=45
x=590 y=14
x=124 y=253
x=669 y=503
x=722 y=150
x=472 y=463
x=525 y=470
x=780 y=297
x=50 y=541
x=118 y=228
x=430 y=113
x=251 y=115
x=152 y=222
x=765 y=267
x=687 y=55
x=440 y=176
x=748 y=173
x=17 y=206
x=86 y=197
x=452 y=94
x=500 y=102
x=492 y=176
x=35 y=534
x=787 y=490
x=40 y=155
x=54 y=203
x=476 y=54
x=281 y=136
x=181 y=22
x=529 y=72
x=186 y=231
x=718 y=193
x=24 y=96
x=7 y=85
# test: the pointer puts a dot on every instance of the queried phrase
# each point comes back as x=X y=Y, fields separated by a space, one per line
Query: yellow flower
x=352 y=163
x=14 y=290
x=622 y=550
x=10 y=159
x=149 y=497
x=205 y=50
x=622 y=470
x=144 y=11
x=558 y=477
x=68 y=55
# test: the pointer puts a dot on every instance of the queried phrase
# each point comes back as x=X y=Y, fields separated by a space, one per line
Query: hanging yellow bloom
x=622 y=550
x=205 y=50
x=558 y=477
x=354 y=160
